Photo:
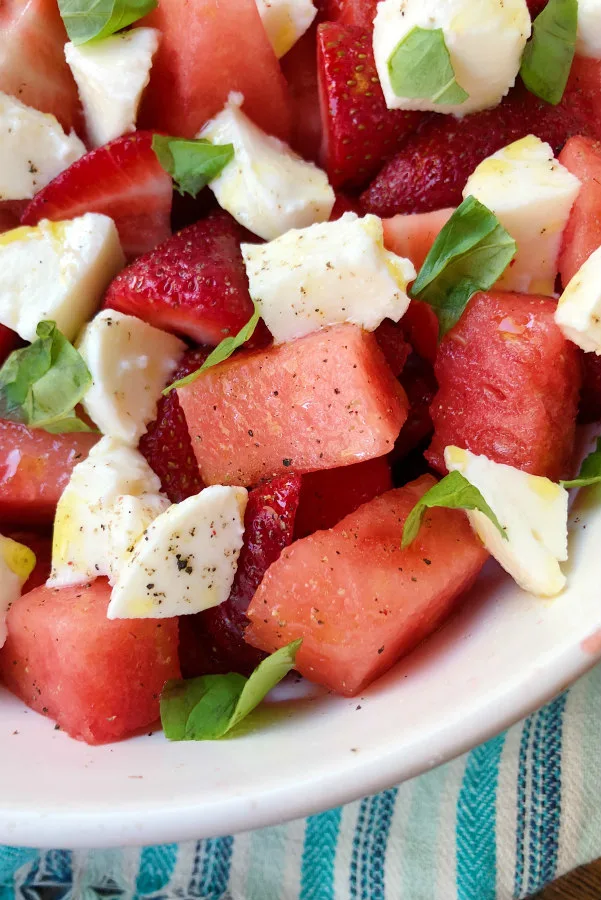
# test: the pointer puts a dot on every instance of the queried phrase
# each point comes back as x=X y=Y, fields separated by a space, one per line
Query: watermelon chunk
x=582 y=235
x=413 y=235
x=326 y=400
x=358 y=601
x=508 y=385
x=35 y=466
x=212 y=641
x=209 y=48
x=329 y=495
x=98 y=678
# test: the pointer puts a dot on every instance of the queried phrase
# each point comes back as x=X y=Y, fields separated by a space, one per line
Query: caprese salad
x=300 y=305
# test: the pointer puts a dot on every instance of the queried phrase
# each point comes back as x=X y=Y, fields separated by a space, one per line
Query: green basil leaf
x=453 y=492
x=191 y=163
x=208 y=707
x=41 y=384
x=548 y=56
x=87 y=20
x=222 y=351
x=420 y=68
x=590 y=471
x=471 y=252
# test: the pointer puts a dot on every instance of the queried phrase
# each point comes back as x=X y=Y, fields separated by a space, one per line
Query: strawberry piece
x=351 y=12
x=431 y=169
x=344 y=204
x=590 y=395
x=215 y=638
x=299 y=66
x=8 y=342
x=328 y=496
x=32 y=62
x=123 y=180
x=167 y=445
x=393 y=345
x=194 y=284
x=420 y=385
x=360 y=132
x=420 y=327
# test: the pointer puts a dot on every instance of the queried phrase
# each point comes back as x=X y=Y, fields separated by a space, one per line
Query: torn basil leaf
x=191 y=163
x=420 y=68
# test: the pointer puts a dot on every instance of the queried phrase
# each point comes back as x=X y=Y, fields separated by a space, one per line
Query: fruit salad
x=300 y=307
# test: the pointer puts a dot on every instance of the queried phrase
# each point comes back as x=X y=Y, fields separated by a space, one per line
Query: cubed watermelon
x=582 y=157
x=326 y=400
x=209 y=48
x=35 y=466
x=98 y=678
x=328 y=496
x=412 y=236
x=508 y=385
x=356 y=599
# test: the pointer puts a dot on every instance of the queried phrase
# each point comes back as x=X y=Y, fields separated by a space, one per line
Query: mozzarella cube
x=327 y=274
x=578 y=312
x=187 y=559
x=266 y=187
x=57 y=271
x=534 y=513
x=110 y=499
x=130 y=363
x=111 y=75
x=589 y=28
x=485 y=40
x=34 y=149
x=532 y=195
x=16 y=565
x=285 y=21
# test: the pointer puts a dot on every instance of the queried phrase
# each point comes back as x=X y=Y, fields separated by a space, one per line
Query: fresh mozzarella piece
x=266 y=187
x=485 y=40
x=589 y=28
x=34 y=149
x=534 y=513
x=327 y=274
x=16 y=565
x=130 y=363
x=186 y=560
x=285 y=21
x=57 y=271
x=111 y=498
x=111 y=75
x=578 y=312
x=532 y=195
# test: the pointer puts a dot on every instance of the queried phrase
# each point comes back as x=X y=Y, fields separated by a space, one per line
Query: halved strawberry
x=32 y=60
x=360 y=132
x=194 y=284
x=431 y=169
x=167 y=446
x=351 y=12
x=123 y=180
x=8 y=342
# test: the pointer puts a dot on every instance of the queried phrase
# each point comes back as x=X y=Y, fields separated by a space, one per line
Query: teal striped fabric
x=497 y=823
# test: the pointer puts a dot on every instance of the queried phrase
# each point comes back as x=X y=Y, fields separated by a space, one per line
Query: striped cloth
x=498 y=823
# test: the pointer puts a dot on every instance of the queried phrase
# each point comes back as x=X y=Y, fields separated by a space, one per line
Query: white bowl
x=503 y=655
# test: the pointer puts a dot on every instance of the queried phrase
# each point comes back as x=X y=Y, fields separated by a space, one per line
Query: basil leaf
x=590 y=471
x=420 y=68
x=548 y=56
x=41 y=384
x=452 y=492
x=208 y=707
x=191 y=164
x=222 y=351
x=87 y=20
x=471 y=252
